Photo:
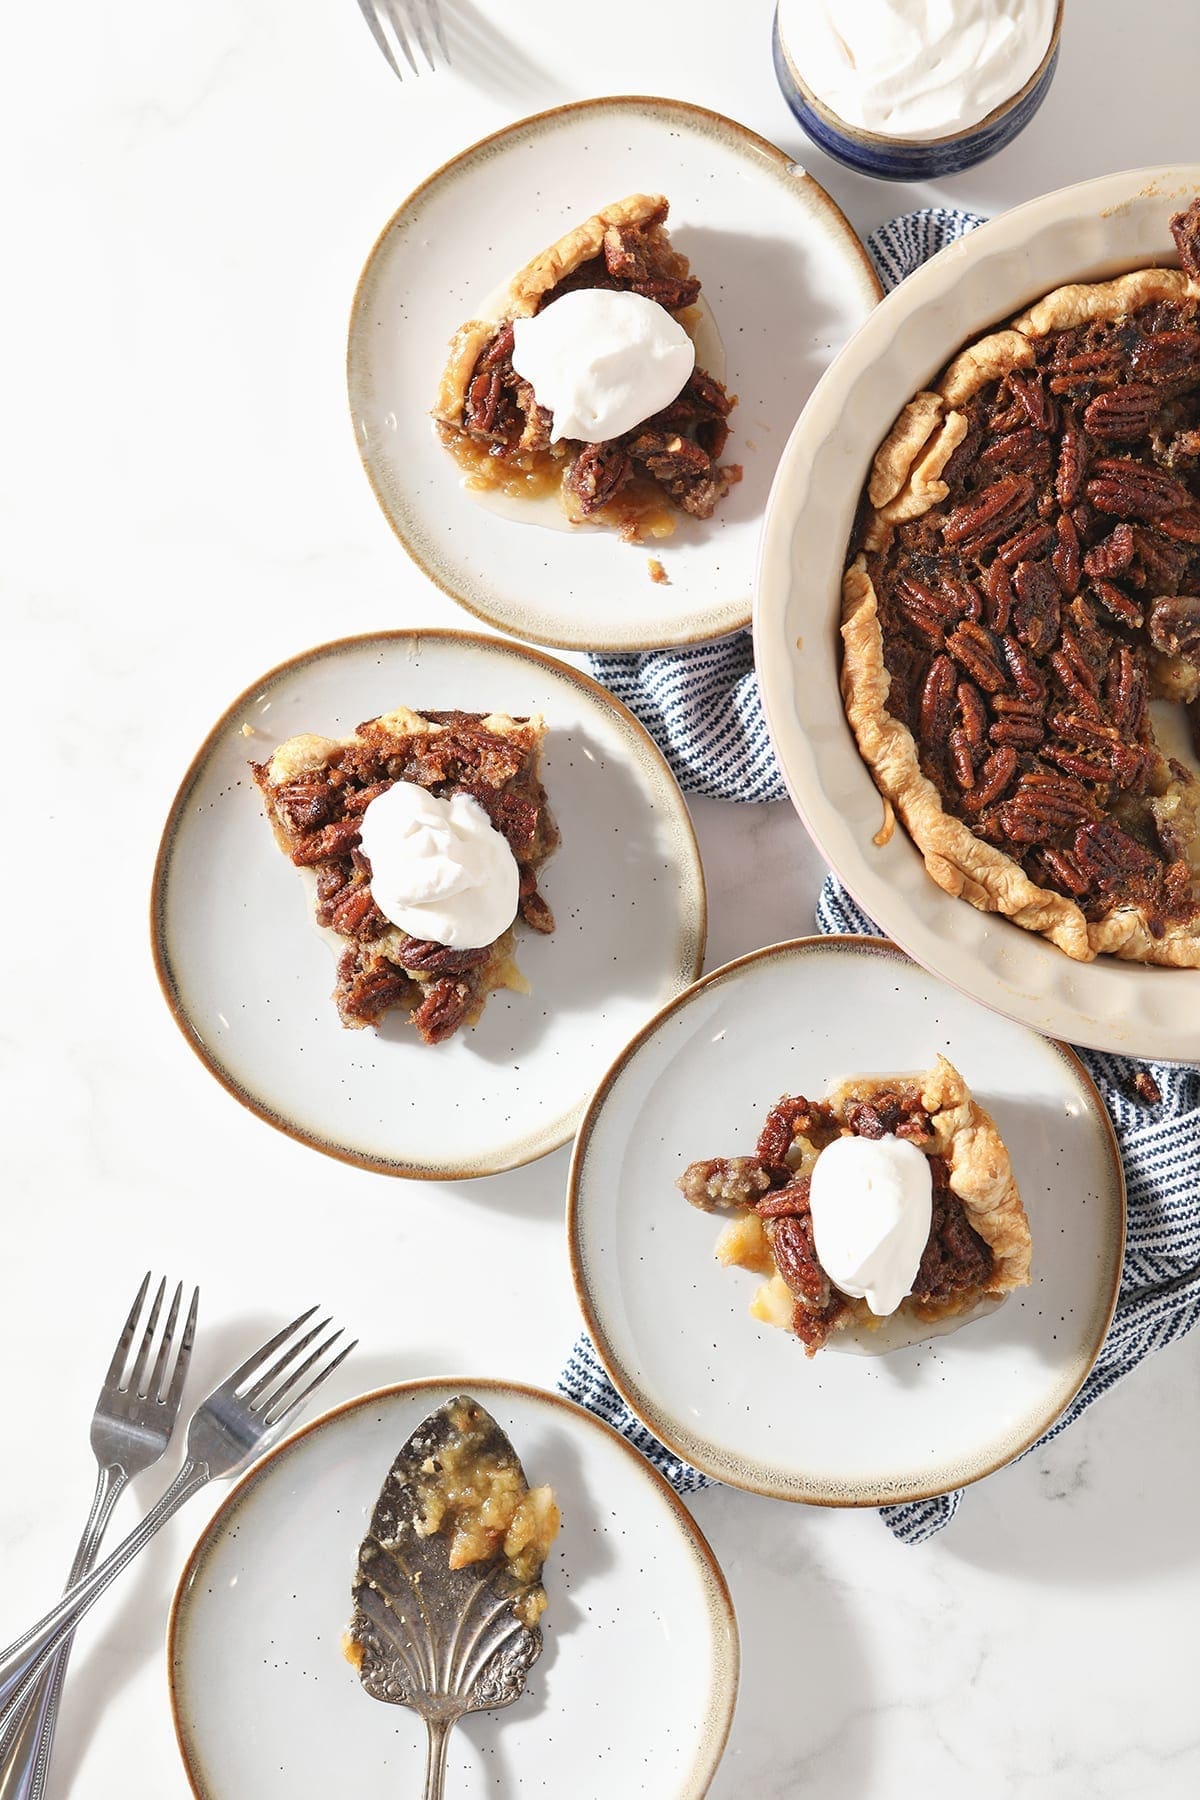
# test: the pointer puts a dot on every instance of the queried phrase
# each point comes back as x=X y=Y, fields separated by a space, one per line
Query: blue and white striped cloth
x=702 y=706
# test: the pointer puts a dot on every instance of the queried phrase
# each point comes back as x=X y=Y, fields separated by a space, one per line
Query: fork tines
x=393 y=22
x=135 y=1382
x=273 y=1395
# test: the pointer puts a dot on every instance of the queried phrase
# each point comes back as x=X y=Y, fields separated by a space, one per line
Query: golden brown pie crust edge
x=904 y=483
x=980 y=1174
x=521 y=297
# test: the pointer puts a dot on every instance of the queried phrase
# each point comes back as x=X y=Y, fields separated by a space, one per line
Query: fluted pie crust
x=977 y=1169
x=906 y=483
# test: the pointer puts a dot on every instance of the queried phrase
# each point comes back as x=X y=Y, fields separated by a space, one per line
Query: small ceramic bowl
x=902 y=159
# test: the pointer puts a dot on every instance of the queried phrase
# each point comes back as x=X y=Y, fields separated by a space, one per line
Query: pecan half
x=1113 y=554
x=1133 y=489
x=1122 y=414
x=1065 y=558
x=1116 y=601
x=439 y=959
x=790 y=1117
x=989 y=515
x=443 y=1009
x=790 y=1202
x=1174 y=624
x=796 y=1259
x=973 y=647
x=937 y=700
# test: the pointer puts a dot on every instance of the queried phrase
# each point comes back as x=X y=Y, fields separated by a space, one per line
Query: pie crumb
x=883 y=835
x=657 y=572
x=1148 y=1090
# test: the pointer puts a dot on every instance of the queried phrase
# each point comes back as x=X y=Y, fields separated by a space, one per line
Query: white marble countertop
x=190 y=193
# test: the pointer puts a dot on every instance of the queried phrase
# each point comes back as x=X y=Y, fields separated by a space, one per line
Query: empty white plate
x=784 y=276
x=248 y=975
x=633 y=1692
x=740 y=1400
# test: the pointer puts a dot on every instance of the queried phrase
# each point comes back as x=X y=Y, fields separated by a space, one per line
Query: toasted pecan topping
x=1028 y=615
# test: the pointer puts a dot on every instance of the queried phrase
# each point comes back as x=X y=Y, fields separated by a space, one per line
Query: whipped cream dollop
x=872 y=1206
x=915 y=69
x=601 y=361
x=439 y=868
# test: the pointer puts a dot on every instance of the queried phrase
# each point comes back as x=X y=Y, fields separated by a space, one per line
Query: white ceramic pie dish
x=786 y=280
x=633 y=1693
x=1082 y=233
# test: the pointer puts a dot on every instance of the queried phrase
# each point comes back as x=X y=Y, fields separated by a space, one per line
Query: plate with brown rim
x=1084 y=233
x=248 y=977
x=738 y=1399
x=633 y=1692
x=785 y=279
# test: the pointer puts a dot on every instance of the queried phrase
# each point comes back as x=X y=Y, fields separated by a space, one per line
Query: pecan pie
x=637 y=483
x=316 y=790
x=978 y=1246
x=1024 y=580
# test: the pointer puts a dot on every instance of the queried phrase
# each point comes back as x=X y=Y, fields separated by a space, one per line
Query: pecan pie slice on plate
x=638 y=482
x=978 y=1246
x=316 y=791
x=242 y=937
x=913 y=1405
x=1024 y=582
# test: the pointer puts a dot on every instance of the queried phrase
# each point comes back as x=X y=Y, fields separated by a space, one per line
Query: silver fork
x=132 y=1425
x=393 y=22
x=227 y=1432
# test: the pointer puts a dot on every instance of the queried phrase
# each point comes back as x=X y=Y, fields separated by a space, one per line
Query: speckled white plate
x=1083 y=233
x=633 y=1692
x=740 y=1400
x=784 y=275
x=248 y=975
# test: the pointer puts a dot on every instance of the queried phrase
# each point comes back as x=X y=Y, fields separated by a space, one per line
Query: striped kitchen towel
x=703 y=707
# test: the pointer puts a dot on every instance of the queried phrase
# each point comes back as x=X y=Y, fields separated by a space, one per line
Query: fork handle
x=25 y=1749
x=22 y=1661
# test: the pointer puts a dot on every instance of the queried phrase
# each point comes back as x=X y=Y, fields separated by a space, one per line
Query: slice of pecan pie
x=316 y=791
x=978 y=1247
x=1024 y=580
x=637 y=483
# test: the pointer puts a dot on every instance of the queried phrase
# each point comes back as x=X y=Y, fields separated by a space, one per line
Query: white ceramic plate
x=248 y=975
x=784 y=275
x=740 y=1400
x=1083 y=233
x=633 y=1692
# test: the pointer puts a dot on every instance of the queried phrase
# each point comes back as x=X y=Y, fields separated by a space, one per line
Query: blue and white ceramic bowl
x=902 y=159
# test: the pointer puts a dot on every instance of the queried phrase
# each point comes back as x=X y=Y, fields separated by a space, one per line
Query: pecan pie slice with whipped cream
x=425 y=832
x=893 y=1194
x=1024 y=581
x=638 y=474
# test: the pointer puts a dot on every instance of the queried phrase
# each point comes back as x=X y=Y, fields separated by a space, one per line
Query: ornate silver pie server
x=446 y=1641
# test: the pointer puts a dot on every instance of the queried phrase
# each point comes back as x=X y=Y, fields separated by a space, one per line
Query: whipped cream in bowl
x=439 y=868
x=872 y=1207
x=906 y=88
x=601 y=360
